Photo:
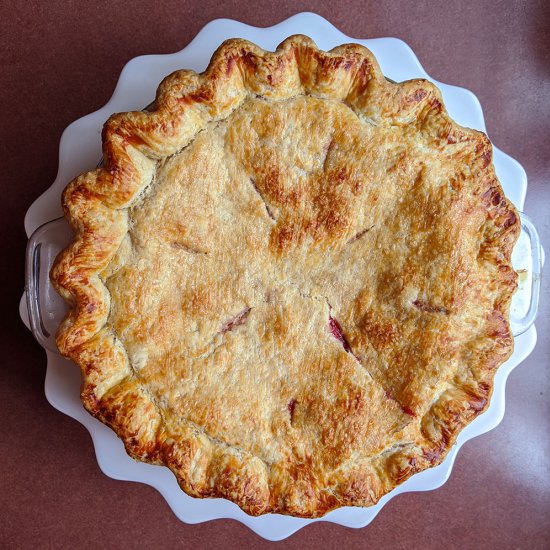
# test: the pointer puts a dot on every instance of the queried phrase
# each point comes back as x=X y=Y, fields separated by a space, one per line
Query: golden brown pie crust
x=290 y=280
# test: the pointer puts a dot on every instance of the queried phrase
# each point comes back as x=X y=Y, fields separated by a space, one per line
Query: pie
x=290 y=280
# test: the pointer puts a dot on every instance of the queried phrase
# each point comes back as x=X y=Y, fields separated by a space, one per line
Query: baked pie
x=291 y=278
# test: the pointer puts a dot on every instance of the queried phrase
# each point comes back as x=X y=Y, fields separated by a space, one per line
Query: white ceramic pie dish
x=80 y=149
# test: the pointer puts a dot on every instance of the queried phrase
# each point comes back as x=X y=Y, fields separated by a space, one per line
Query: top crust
x=339 y=346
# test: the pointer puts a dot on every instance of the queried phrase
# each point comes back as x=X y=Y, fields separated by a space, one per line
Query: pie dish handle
x=527 y=259
x=45 y=307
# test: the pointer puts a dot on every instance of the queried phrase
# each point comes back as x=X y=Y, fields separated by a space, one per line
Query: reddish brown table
x=61 y=60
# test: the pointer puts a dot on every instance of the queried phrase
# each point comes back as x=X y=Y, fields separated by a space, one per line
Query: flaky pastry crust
x=291 y=279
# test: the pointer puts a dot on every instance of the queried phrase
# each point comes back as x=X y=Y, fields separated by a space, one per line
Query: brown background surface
x=60 y=61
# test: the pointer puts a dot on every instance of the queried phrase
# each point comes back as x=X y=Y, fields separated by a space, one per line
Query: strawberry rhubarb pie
x=290 y=279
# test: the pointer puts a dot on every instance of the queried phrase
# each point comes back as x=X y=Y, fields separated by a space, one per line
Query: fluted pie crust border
x=96 y=205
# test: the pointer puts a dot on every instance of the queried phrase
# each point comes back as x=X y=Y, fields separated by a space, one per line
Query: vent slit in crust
x=361 y=233
x=336 y=331
x=430 y=308
x=235 y=321
x=267 y=208
x=186 y=248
